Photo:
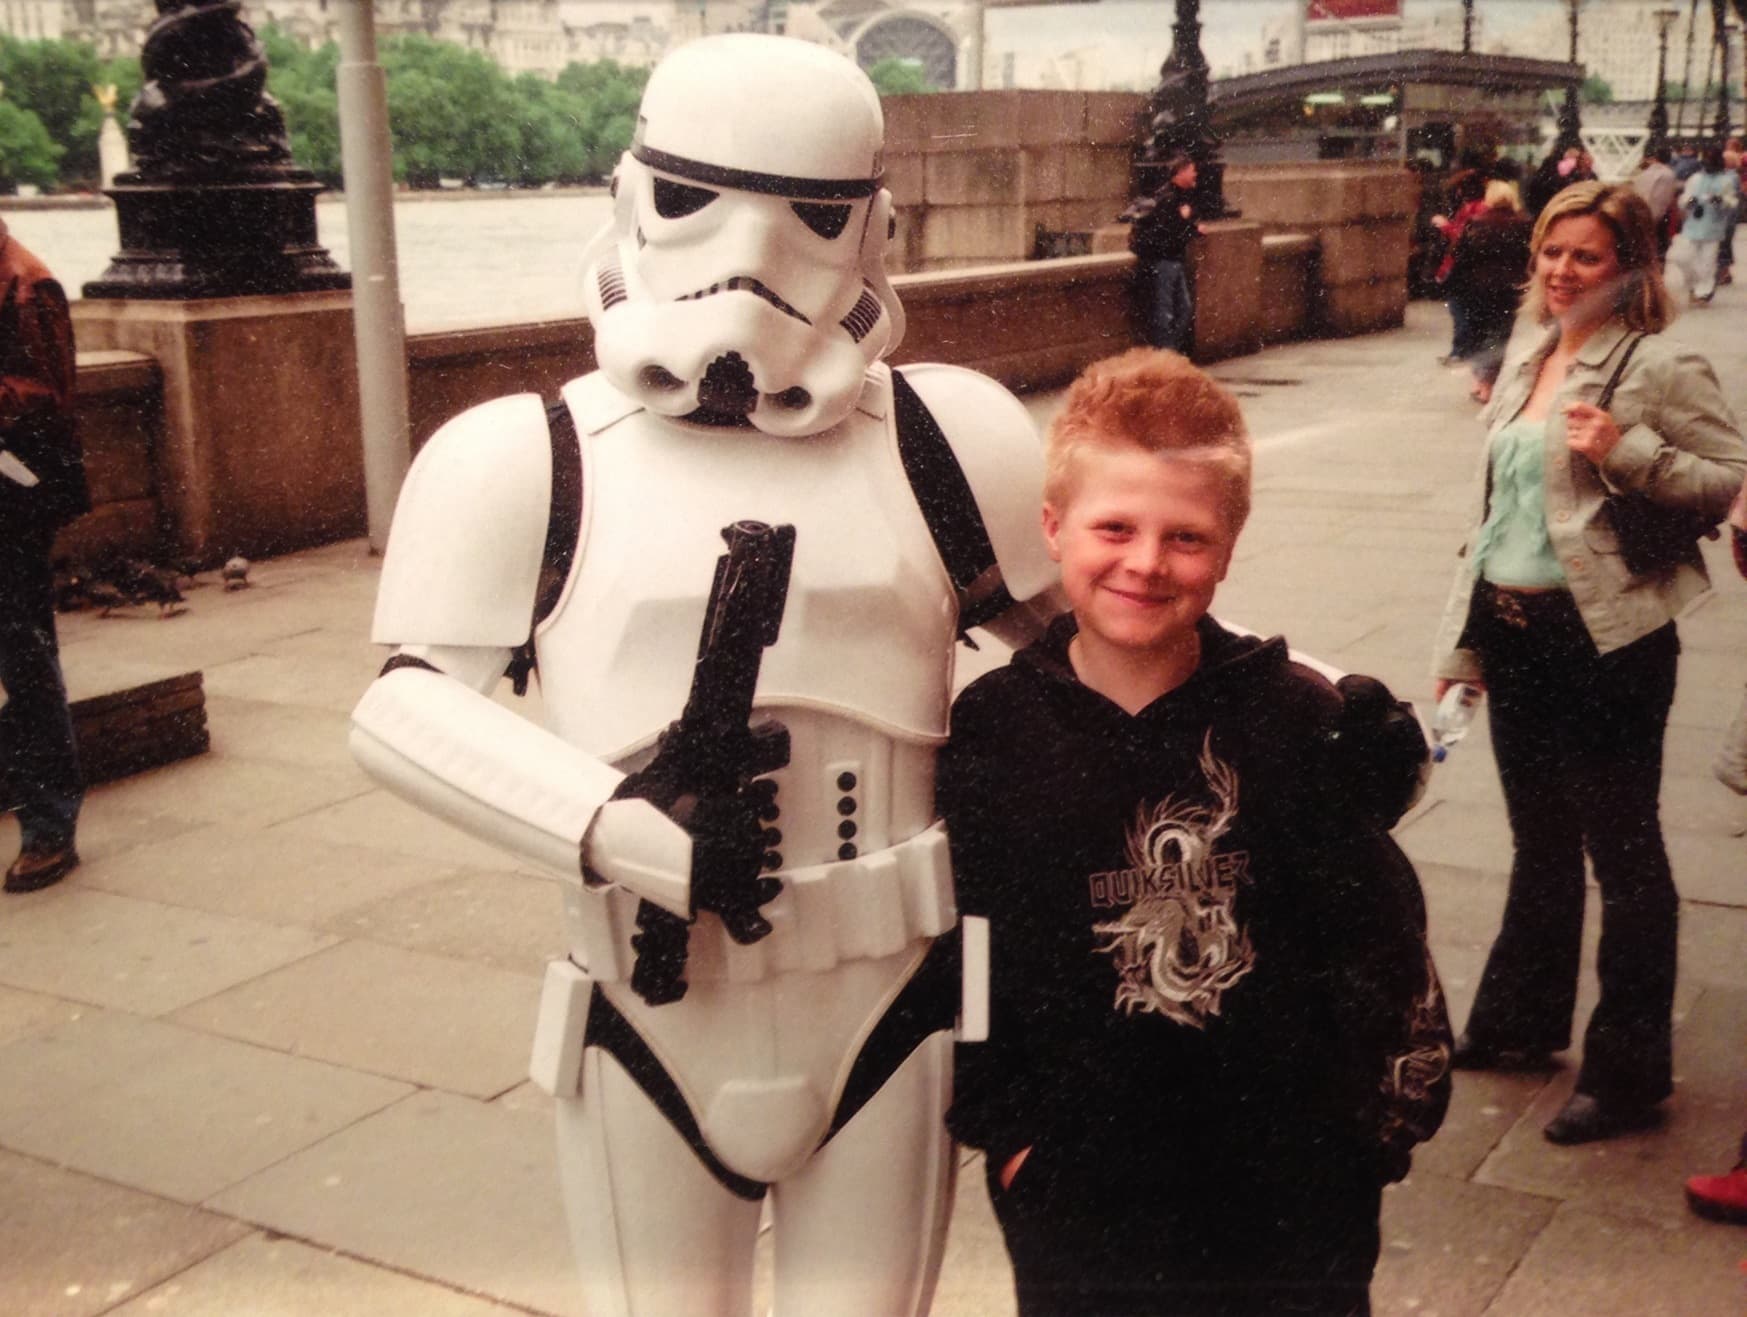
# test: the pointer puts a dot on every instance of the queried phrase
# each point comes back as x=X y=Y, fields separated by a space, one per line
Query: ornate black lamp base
x=219 y=239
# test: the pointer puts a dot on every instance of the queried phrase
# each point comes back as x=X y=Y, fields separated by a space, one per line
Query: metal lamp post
x=1659 y=109
x=1570 y=122
x=1467 y=27
x=1722 y=127
x=1181 y=120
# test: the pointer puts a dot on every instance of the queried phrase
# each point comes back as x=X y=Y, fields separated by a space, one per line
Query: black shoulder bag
x=1652 y=538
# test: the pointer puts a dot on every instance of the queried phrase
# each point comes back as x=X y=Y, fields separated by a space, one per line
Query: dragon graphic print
x=1177 y=947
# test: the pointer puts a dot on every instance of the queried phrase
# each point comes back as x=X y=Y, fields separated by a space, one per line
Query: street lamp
x=1721 y=128
x=1570 y=124
x=1181 y=120
x=1659 y=110
x=1467 y=27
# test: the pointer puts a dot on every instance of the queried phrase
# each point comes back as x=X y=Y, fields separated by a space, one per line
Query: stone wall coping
x=106 y=370
x=1288 y=246
x=946 y=285
x=478 y=338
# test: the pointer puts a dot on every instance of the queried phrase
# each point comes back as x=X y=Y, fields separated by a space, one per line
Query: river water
x=482 y=259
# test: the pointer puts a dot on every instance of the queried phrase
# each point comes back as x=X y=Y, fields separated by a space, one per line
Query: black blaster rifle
x=702 y=773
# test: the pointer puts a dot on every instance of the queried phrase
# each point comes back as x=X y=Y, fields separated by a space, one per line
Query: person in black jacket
x=1215 y=1031
x=1487 y=276
x=42 y=486
x=1163 y=224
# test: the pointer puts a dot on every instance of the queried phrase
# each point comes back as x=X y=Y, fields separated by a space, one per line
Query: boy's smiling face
x=1143 y=541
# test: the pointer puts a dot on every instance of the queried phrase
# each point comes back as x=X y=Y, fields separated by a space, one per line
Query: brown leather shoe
x=39 y=866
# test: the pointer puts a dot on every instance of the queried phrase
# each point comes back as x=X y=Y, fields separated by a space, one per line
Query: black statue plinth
x=188 y=240
x=215 y=206
x=1179 y=119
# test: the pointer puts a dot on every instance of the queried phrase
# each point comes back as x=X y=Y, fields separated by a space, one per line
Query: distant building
x=543 y=36
x=31 y=20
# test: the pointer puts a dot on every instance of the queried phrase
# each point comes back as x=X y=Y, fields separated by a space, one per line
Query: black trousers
x=39 y=767
x=1578 y=738
x=1097 y=1233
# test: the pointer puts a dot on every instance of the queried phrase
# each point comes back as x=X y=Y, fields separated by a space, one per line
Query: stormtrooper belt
x=871 y=906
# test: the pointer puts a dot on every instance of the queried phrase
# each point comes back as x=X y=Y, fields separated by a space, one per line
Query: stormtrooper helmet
x=742 y=276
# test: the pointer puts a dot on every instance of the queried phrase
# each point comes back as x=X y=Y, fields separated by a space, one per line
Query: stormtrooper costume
x=740 y=311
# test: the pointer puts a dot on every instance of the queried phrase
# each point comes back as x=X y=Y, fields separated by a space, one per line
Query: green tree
x=27 y=153
x=52 y=79
x=609 y=94
x=302 y=81
x=555 y=133
x=898 y=77
x=451 y=112
x=1596 y=91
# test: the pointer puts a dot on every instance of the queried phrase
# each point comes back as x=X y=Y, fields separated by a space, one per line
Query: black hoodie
x=1206 y=954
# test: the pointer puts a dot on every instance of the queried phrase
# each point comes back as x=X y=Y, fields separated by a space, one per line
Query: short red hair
x=1159 y=402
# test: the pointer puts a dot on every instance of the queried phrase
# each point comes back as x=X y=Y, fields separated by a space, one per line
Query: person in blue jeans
x=42 y=486
x=1163 y=227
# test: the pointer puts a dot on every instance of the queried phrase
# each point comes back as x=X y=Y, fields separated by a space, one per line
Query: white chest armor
x=870 y=621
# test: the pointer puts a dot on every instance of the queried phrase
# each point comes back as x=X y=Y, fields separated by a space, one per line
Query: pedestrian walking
x=1708 y=199
x=1656 y=183
x=42 y=486
x=1577 y=650
x=1726 y=248
x=1490 y=262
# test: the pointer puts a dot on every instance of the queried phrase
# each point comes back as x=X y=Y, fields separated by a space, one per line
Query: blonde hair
x=1641 y=298
x=1501 y=194
x=1158 y=402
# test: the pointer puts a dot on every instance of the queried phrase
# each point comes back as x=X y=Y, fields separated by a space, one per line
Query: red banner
x=1347 y=11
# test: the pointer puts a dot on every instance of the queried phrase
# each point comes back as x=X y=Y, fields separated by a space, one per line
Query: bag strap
x=563 y=526
x=1607 y=393
x=949 y=507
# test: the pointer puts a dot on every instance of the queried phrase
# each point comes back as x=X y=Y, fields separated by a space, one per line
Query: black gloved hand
x=727 y=846
x=1380 y=750
x=727 y=864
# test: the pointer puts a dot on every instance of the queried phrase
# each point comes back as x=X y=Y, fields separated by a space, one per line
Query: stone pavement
x=263 y=1054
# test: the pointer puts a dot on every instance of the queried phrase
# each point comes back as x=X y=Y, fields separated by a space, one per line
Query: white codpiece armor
x=740 y=311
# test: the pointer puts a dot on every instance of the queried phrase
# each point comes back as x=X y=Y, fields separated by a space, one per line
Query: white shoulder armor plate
x=996 y=444
x=463 y=559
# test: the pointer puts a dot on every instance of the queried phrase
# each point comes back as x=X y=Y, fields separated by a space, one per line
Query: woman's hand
x=1012 y=1167
x=1590 y=432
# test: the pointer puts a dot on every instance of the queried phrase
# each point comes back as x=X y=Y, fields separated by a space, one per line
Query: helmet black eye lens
x=677 y=200
x=825 y=220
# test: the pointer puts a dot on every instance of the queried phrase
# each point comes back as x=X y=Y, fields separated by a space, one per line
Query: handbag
x=1651 y=537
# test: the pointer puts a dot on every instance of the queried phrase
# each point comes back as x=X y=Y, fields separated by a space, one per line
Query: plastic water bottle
x=1454 y=716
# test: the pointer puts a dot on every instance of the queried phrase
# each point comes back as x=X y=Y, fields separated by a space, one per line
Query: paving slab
x=432 y=1020
x=23 y=1013
x=104 y=831
x=277 y=1277
x=1640 y=1175
x=334 y=682
x=442 y=1187
x=225 y=869
x=513 y=921
x=169 y=1110
x=75 y=1246
x=77 y=942
x=1588 y=1261
x=1448 y=1246
x=295 y=735
x=212 y=788
x=379 y=821
x=976 y=1279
